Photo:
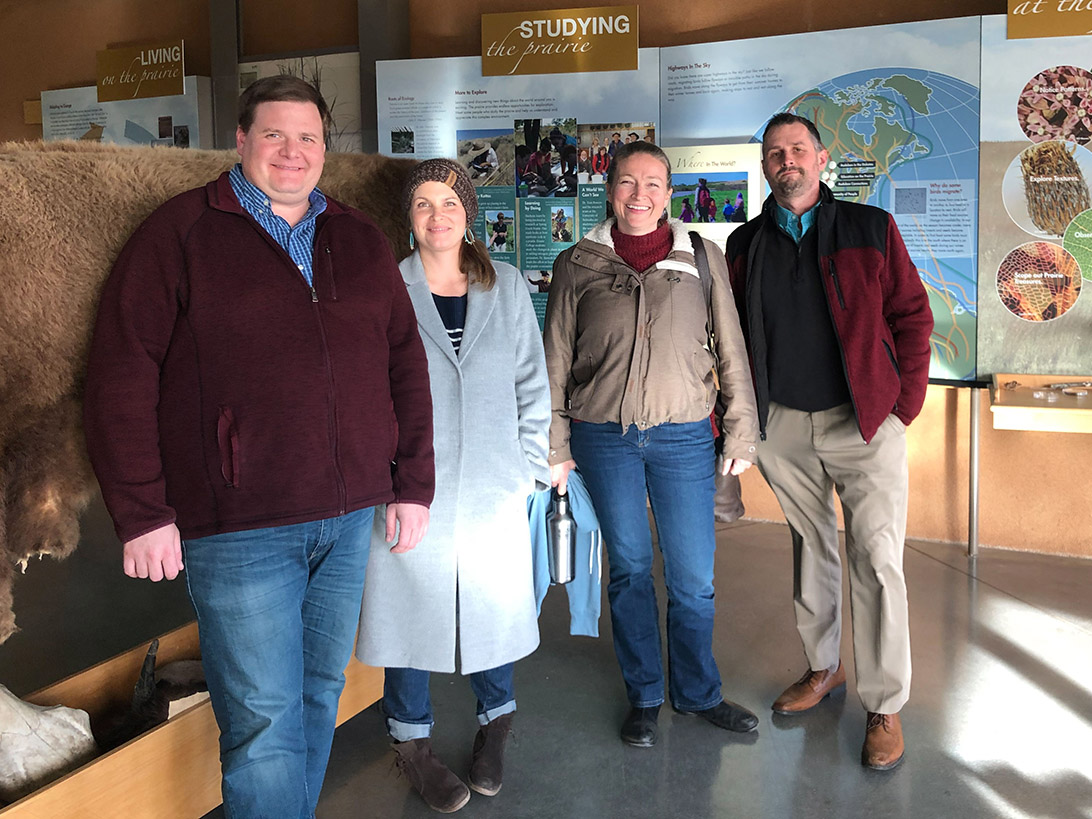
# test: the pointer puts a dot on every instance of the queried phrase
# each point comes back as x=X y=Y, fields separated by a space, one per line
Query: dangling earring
x=468 y=237
x=411 y=240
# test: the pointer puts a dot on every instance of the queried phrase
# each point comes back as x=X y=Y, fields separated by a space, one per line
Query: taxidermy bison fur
x=66 y=210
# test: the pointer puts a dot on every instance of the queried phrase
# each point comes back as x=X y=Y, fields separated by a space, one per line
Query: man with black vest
x=837 y=323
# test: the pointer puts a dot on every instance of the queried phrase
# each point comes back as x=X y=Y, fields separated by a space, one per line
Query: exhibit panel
x=180 y=120
x=899 y=119
x=538 y=147
x=1035 y=242
x=902 y=135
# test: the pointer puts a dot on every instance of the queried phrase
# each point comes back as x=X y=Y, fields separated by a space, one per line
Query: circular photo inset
x=1078 y=241
x=1046 y=185
x=1057 y=104
x=1038 y=281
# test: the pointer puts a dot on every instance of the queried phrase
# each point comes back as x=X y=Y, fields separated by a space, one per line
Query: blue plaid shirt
x=796 y=228
x=297 y=241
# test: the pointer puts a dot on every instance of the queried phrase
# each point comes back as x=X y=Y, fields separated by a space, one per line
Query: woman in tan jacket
x=639 y=354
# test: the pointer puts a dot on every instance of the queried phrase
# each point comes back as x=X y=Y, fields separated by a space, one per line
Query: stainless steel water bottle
x=561 y=533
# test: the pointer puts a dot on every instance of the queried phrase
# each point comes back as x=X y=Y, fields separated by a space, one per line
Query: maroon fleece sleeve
x=907 y=312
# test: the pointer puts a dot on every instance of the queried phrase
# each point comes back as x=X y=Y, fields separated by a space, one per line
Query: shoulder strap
x=701 y=261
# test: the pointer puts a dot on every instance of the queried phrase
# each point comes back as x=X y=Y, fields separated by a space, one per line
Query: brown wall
x=280 y=27
x=50 y=44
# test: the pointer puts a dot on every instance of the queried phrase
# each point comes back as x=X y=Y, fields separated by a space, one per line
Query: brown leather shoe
x=809 y=690
x=883 y=745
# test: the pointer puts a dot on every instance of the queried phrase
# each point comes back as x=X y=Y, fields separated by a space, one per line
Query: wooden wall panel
x=279 y=27
x=443 y=29
x=49 y=44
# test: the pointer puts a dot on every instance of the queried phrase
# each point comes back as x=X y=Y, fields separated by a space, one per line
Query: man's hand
x=155 y=555
x=734 y=466
x=407 y=521
x=559 y=475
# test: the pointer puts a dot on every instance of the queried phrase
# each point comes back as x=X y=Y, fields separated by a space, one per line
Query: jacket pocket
x=583 y=368
x=891 y=357
x=704 y=373
x=837 y=284
x=227 y=442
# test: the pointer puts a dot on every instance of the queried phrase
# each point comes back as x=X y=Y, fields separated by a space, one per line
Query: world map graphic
x=906 y=140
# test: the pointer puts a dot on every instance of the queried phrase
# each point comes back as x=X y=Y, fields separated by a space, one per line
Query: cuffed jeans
x=673 y=465
x=408 y=706
x=277 y=611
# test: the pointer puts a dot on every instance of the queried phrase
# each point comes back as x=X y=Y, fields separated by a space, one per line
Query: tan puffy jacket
x=631 y=347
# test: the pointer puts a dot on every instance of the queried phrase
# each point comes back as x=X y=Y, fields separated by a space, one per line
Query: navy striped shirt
x=452 y=310
x=297 y=241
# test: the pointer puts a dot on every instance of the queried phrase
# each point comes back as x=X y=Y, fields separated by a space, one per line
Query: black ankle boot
x=729 y=716
x=639 y=728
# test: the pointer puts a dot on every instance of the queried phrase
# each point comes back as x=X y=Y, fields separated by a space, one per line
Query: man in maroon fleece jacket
x=837 y=323
x=255 y=387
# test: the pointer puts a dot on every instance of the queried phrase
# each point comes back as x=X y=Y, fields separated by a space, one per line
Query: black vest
x=803 y=358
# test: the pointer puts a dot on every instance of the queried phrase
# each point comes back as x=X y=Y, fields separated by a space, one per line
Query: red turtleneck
x=641 y=252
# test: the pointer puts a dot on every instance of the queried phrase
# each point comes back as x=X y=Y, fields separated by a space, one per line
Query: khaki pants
x=805 y=456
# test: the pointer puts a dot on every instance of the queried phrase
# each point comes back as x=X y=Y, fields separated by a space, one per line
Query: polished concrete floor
x=999 y=723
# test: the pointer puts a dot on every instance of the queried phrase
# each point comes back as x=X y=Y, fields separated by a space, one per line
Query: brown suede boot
x=883 y=745
x=487 y=764
x=438 y=786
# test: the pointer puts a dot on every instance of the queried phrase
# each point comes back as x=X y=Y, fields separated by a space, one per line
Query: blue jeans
x=673 y=465
x=277 y=611
x=408 y=707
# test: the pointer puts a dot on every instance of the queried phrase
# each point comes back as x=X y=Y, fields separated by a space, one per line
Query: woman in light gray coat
x=467 y=588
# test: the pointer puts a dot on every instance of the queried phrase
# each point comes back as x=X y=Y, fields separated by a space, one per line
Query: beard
x=789 y=186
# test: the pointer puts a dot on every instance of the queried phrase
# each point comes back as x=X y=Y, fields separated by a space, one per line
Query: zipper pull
x=314 y=295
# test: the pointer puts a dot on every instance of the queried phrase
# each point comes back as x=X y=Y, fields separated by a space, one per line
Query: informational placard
x=496 y=223
x=1035 y=245
x=182 y=121
x=591 y=207
x=716 y=188
x=537 y=148
x=899 y=118
x=141 y=72
x=1048 y=18
x=574 y=41
x=1005 y=255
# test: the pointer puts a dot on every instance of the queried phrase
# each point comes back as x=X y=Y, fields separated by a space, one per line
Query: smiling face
x=639 y=194
x=283 y=153
x=792 y=163
x=437 y=217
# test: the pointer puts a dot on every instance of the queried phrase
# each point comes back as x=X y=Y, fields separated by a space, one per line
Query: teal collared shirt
x=795 y=227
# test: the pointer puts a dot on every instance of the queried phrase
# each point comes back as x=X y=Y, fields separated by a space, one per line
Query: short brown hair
x=785 y=118
x=282 y=88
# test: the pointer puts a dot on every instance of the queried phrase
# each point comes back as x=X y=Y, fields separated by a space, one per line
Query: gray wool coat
x=470 y=576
